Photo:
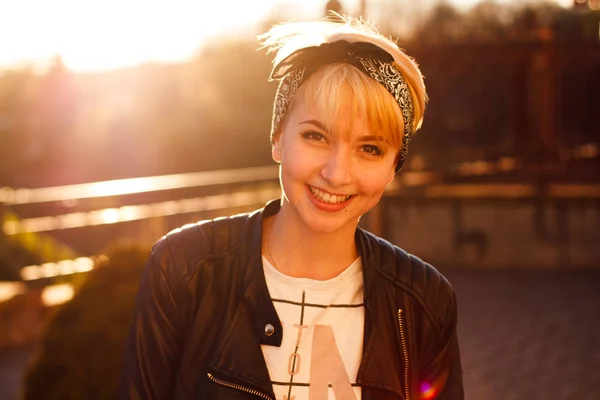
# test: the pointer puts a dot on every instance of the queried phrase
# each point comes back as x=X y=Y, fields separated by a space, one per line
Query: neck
x=297 y=251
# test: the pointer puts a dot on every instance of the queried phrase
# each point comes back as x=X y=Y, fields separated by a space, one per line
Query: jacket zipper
x=404 y=353
x=239 y=387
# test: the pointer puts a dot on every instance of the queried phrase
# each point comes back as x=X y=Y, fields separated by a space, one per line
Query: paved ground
x=529 y=334
x=12 y=365
x=525 y=335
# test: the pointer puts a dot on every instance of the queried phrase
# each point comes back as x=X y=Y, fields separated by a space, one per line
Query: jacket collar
x=257 y=296
x=261 y=312
x=239 y=356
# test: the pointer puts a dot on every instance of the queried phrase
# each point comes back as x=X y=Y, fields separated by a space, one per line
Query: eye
x=313 y=135
x=373 y=150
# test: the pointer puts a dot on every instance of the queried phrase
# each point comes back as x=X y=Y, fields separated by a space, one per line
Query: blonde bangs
x=340 y=88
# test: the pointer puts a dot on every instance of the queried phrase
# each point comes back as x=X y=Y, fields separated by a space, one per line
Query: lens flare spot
x=427 y=391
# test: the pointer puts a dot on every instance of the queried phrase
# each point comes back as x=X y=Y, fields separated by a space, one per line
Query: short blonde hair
x=338 y=85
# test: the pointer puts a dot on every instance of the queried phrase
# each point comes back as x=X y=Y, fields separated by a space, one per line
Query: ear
x=276 y=149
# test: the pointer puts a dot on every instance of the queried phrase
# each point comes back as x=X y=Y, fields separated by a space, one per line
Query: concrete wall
x=496 y=233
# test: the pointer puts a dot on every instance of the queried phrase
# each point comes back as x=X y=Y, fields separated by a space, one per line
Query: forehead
x=345 y=100
x=345 y=122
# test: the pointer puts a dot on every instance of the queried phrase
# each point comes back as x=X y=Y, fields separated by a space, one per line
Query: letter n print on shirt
x=327 y=367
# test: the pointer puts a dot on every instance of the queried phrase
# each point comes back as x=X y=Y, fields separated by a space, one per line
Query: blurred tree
x=215 y=111
x=492 y=21
x=444 y=24
x=481 y=66
x=399 y=17
x=233 y=105
x=13 y=257
x=488 y=21
x=80 y=355
x=18 y=91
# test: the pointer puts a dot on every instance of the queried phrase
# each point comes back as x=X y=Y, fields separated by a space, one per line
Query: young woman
x=295 y=301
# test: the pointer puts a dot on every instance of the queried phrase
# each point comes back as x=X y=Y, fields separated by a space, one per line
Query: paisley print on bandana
x=288 y=87
x=389 y=76
x=292 y=73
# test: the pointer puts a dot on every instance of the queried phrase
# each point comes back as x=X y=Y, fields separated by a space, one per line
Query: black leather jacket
x=203 y=305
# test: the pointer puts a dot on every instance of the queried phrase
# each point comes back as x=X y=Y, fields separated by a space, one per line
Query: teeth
x=328 y=198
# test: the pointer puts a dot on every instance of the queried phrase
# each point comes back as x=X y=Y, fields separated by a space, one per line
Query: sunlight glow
x=8 y=290
x=50 y=270
x=110 y=216
x=57 y=294
x=103 y=35
x=100 y=35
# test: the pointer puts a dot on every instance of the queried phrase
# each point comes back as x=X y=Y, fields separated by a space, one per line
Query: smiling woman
x=295 y=300
x=101 y=35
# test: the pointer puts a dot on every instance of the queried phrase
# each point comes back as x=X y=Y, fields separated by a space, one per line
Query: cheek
x=299 y=162
x=294 y=167
x=375 y=182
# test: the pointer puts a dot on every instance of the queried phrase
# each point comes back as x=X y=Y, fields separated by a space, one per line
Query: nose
x=337 y=170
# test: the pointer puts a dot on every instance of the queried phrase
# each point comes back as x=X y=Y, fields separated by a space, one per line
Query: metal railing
x=420 y=184
x=121 y=187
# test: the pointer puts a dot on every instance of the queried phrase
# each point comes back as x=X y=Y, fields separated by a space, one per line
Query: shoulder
x=185 y=249
x=419 y=279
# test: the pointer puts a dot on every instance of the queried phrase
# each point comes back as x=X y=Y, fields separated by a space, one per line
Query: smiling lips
x=327 y=197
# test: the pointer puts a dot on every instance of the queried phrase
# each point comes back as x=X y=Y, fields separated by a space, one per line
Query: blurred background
x=121 y=120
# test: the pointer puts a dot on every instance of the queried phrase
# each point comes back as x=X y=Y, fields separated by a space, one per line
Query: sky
x=96 y=35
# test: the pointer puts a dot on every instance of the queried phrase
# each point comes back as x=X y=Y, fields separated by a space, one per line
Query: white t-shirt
x=323 y=327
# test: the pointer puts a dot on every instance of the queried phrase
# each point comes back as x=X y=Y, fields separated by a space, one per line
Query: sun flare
x=102 y=35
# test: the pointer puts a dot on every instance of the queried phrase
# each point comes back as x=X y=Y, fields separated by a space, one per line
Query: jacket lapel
x=382 y=367
x=239 y=356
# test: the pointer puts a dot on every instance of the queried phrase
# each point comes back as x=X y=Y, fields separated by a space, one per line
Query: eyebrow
x=316 y=123
x=365 y=138
x=372 y=138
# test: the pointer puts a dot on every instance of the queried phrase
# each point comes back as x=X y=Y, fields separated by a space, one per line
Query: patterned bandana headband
x=372 y=60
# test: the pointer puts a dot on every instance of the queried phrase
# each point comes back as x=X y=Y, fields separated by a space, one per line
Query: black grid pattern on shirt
x=302 y=306
x=302 y=384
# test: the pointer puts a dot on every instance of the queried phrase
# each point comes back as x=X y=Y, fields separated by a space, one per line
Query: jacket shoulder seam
x=407 y=262
x=212 y=254
x=408 y=289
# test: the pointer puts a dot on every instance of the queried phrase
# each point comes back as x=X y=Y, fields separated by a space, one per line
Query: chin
x=319 y=221
x=326 y=226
